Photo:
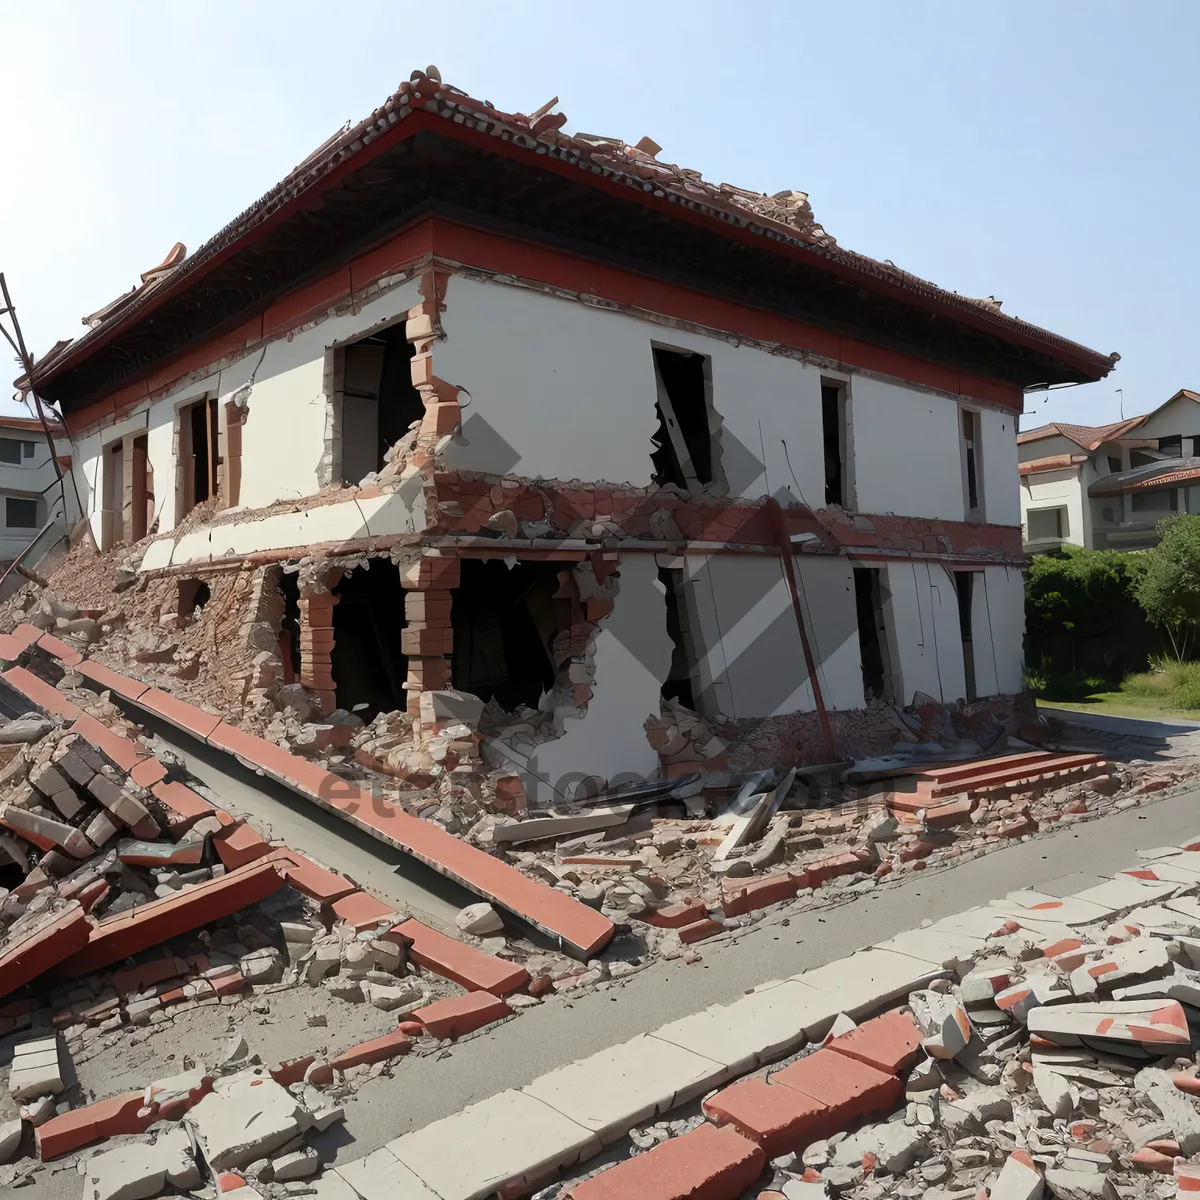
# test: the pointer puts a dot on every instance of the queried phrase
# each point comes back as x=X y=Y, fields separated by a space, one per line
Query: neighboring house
x=1106 y=487
x=29 y=488
x=476 y=404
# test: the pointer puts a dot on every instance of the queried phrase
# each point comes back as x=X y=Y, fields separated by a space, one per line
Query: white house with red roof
x=30 y=494
x=1106 y=487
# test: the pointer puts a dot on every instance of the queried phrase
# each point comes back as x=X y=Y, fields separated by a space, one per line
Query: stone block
x=889 y=1043
x=36 y=1070
x=246 y=1117
x=780 y=1119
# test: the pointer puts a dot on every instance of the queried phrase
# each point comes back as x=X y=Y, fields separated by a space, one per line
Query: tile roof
x=1089 y=437
x=784 y=217
x=1055 y=462
x=1149 y=477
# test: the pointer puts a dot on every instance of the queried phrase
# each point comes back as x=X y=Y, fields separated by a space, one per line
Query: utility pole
x=15 y=338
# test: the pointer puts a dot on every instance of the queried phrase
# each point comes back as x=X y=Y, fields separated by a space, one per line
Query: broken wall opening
x=964 y=587
x=379 y=401
x=683 y=453
x=142 y=499
x=289 y=625
x=679 y=684
x=834 y=440
x=508 y=626
x=872 y=633
x=367 y=662
x=194 y=594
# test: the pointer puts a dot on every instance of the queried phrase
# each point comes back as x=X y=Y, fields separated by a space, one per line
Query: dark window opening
x=1114 y=464
x=194 y=594
x=833 y=440
x=683 y=453
x=10 y=451
x=509 y=628
x=11 y=875
x=379 y=400
x=1046 y=523
x=970 y=433
x=198 y=456
x=20 y=513
x=1139 y=458
x=964 y=585
x=1155 y=502
x=289 y=626
x=678 y=684
x=868 y=603
x=369 y=667
x=140 y=516
x=1171 y=446
x=28 y=449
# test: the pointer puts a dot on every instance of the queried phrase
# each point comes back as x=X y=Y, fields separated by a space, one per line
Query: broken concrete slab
x=511 y=1138
x=36 y=1069
x=142 y=1169
x=871 y=978
x=536 y=829
x=773 y=1020
x=380 y=1176
x=612 y=1091
x=1154 y=1024
x=245 y=1117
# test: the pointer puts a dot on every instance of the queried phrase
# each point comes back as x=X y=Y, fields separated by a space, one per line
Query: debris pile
x=1054 y=1056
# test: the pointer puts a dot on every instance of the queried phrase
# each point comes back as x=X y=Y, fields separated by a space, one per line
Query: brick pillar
x=427 y=638
x=423 y=328
x=316 y=643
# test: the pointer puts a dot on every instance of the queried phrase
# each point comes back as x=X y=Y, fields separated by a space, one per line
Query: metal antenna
x=8 y=317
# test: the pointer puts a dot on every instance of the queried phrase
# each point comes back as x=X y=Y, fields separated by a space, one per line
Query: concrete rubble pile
x=1056 y=1055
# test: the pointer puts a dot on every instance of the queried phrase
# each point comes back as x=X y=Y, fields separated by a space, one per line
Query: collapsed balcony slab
x=43 y=948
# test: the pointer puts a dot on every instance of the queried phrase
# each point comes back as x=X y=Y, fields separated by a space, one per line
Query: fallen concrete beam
x=44 y=695
x=66 y=654
x=152 y=924
x=43 y=947
x=108 y=680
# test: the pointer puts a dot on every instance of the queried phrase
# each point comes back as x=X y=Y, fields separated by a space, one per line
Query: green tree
x=1169 y=585
x=1080 y=593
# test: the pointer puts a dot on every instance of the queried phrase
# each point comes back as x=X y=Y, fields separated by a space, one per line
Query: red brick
x=468 y=967
x=67 y=655
x=847 y=1087
x=106 y=678
x=292 y=1071
x=360 y=910
x=151 y=924
x=179 y=713
x=158 y=970
x=44 y=948
x=742 y=897
x=43 y=694
x=104 y=1119
x=697 y=931
x=888 y=1043
x=391 y=1045
x=675 y=915
x=825 y=869
x=315 y=881
x=779 y=1119
x=229 y=1181
x=951 y=812
x=706 y=1164
x=126 y=754
x=459 y=1015
x=184 y=807
x=238 y=845
x=148 y=772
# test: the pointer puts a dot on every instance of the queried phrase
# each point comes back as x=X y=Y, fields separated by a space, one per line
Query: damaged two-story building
x=471 y=407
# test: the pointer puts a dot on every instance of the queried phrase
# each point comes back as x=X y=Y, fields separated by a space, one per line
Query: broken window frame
x=970 y=430
x=839 y=484
x=336 y=382
x=185 y=494
x=965 y=583
x=669 y=422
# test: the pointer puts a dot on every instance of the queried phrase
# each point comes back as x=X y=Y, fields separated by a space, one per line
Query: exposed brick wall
x=316 y=635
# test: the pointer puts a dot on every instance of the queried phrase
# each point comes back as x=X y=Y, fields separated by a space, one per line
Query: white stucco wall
x=1001 y=493
x=1057 y=489
x=1178 y=416
x=999 y=631
x=921 y=617
x=907 y=451
x=750 y=657
x=32 y=478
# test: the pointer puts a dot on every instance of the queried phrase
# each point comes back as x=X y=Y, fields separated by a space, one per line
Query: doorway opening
x=509 y=630
x=872 y=632
x=369 y=668
x=678 y=685
x=143 y=501
x=112 y=515
x=964 y=586
x=379 y=401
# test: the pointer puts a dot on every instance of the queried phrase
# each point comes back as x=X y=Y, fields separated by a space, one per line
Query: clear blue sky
x=1042 y=153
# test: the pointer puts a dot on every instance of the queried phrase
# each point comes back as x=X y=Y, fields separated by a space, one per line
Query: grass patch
x=1167 y=687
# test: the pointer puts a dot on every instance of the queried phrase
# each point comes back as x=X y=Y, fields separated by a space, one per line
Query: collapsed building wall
x=607 y=395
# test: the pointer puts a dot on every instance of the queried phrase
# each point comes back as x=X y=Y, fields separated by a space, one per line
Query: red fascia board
x=108 y=679
x=1093 y=364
